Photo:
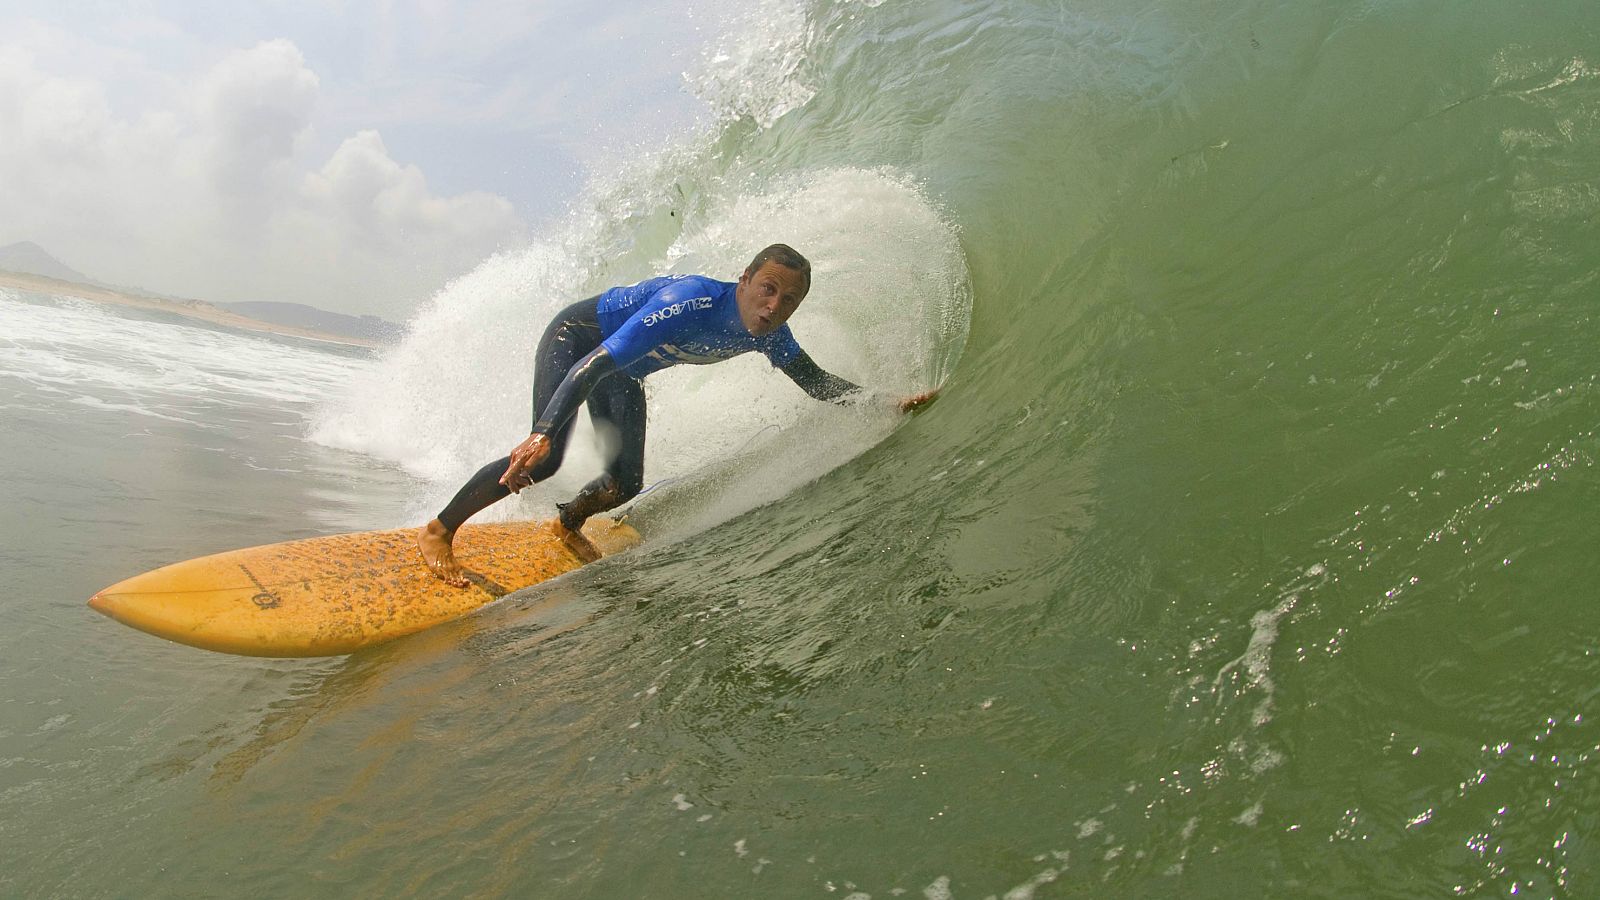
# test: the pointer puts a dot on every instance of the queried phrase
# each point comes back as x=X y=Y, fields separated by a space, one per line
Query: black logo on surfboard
x=263 y=599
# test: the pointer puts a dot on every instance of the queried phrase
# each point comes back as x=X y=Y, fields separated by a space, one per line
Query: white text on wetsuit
x=667 y=312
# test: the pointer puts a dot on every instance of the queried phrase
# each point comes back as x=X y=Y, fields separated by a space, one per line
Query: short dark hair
x=784 y=255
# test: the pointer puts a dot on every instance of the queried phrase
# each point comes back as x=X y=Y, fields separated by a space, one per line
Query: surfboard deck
x=332 y=595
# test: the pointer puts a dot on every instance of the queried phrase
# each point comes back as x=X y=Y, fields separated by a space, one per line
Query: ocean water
x=1251 y=550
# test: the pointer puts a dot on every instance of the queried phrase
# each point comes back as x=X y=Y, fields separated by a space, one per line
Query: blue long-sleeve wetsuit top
x=678 y=319
x=673 y=320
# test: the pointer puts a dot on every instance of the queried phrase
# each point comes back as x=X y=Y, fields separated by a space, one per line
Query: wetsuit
x=598 y=351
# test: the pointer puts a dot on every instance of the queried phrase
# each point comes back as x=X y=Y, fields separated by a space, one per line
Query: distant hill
x=299 y=315
x=31 y=259
x=28 y=258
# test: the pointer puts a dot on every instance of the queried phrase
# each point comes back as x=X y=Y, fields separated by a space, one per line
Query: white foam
x=84 y=351
x=1256 y=661
x=1025 y=891
x=757 y=73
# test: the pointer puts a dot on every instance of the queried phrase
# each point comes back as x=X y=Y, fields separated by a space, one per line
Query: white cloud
x=390 y=203
x=226 y=155
x=207 y=191
x=252 y=109
x=375 y=225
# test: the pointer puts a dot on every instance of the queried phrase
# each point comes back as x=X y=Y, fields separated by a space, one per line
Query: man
x=598 y=350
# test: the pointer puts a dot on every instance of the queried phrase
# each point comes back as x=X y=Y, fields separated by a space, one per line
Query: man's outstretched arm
x=804 y=371
x=824 y=385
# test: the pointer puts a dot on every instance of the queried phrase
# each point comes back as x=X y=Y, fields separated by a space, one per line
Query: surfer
x=597 y=351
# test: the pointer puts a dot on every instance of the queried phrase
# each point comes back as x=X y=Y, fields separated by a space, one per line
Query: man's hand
x=918 y=402
x=524 y=457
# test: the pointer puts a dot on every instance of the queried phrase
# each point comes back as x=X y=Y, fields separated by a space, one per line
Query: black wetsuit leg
x=623 y=406
x=617 y=401
x=571 y=335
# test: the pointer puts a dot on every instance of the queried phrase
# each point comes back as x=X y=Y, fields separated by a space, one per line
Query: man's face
x=769 y=297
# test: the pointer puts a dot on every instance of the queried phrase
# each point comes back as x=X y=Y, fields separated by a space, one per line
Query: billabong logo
x=667 y=312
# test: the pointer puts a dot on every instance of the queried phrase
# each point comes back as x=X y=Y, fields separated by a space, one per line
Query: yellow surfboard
x=331 y=595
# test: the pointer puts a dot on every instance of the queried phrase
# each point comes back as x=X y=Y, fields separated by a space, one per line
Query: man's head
x=771 y=288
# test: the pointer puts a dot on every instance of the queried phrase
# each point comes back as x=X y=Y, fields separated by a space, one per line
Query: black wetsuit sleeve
x=574 y=389
x=814 y=381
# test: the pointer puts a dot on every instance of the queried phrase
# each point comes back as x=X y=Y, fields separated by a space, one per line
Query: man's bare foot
x=581 y=547
x=433 y=539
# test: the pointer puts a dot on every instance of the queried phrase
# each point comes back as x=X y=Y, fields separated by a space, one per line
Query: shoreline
x=193 y=309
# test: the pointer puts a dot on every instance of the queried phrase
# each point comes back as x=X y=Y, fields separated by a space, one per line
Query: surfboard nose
x=101 y=604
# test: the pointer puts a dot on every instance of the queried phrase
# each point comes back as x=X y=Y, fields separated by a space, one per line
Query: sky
x=350 y=154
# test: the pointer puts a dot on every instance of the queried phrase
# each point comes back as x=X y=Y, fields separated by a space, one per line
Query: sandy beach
x=194 y=309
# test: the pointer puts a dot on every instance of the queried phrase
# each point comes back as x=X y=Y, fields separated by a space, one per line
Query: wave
x=1251 y=532
x=889 y=307
x=66 y=347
